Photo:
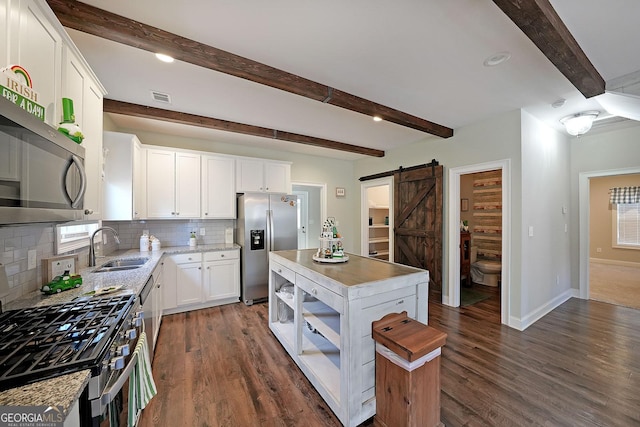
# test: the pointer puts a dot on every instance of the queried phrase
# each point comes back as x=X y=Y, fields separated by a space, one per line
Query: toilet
x=484 y=272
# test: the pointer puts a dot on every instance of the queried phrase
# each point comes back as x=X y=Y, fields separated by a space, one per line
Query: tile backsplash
x=16 y=242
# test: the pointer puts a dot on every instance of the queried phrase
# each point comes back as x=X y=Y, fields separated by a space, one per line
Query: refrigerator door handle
x=270 y=233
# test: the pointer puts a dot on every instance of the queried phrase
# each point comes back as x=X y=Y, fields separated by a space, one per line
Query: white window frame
x=615 y=229
x=75 y=235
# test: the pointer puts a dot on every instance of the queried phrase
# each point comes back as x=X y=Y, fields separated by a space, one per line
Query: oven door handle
x=112 y=392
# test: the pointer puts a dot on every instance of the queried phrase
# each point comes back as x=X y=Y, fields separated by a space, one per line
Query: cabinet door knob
x=199 y=268
x=279 y=270
x=206 y=213
x=173 y=213
x=222 y=256
x=314 y=291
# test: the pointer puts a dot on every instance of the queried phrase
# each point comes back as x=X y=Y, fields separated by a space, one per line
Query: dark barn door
x=418 y=220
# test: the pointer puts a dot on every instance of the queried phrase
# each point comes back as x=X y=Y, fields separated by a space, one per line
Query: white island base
x=325 y=325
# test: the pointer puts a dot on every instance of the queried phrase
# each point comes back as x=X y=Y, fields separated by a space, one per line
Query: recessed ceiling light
x=377 y=118
x=164 y=58
x=497 y=59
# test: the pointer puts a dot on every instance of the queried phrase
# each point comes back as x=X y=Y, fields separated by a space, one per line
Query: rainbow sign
x=16 y=85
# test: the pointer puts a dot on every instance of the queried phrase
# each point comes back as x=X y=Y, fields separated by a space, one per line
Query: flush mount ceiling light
x=164 y=58
x=497 y=59
x=377 y=118
x=580 y=123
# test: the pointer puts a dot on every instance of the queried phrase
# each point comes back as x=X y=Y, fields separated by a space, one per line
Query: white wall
x=546 y=273
x=494 y=139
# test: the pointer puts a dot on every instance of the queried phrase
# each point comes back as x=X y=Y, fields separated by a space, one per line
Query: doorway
x=451 y=296
x=312 y=208
x=377 y=218
x=585 y=223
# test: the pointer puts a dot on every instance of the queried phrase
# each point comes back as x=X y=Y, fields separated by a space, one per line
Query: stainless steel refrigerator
x=266 y=222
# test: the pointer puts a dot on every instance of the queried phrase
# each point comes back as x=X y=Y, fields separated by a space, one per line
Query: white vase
x=192 y=242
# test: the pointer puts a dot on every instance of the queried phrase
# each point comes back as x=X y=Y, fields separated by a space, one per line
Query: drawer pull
x=222 y=256
x=400 y=302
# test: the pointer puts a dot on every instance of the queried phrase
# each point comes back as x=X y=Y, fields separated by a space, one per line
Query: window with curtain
x=626 y=203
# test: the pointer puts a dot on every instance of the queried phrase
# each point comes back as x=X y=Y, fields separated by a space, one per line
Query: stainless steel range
x=99 y=334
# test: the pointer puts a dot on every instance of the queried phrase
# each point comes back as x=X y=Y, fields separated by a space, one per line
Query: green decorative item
x=62 y=283
x=68 y=125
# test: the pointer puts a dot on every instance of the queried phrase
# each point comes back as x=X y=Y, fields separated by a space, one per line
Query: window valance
x=624 y=195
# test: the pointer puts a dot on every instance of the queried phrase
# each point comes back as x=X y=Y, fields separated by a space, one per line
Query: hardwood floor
x=615 y=284
x=578 y=366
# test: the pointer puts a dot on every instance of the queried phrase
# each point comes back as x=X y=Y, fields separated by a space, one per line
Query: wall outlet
x=145 y=232
x=59 y=267
x=202 y=231
x=557 y=279
x=599 y=250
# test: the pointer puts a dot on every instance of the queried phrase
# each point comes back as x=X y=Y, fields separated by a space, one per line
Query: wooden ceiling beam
x=136 y=110
x=88 y=19
x=541 y=23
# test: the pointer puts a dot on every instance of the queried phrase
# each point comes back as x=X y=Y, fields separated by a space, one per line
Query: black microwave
x=42 y=176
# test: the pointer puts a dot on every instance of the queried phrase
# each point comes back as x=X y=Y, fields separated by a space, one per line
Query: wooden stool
x=407 y=372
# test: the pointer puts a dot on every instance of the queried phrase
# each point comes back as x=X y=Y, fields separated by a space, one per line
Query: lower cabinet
x=157 y=302
x=198 y=280
x=222 y=275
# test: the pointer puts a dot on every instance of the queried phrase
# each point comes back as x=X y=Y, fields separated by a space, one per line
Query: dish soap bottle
x=192 y=239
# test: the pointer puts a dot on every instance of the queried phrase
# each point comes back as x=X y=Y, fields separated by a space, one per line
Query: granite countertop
x=65 y=390
x=131 y=281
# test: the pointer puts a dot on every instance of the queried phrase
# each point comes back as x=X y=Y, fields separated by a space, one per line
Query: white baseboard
x=615 y=262
x=528 y=320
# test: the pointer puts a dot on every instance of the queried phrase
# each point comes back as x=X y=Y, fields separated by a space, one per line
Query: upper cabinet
x=173 y=184
x=40 y=44
x=262 y=176
x=124 y=167
x=37 y=47
x=87 y=95
x=218 y=187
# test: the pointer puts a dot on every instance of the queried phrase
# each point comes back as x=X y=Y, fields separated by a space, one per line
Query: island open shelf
x=328 y=334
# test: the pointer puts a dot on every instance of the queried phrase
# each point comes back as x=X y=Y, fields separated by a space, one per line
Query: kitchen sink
x=121 y=264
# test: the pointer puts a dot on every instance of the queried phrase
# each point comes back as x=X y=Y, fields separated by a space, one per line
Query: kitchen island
x=322 y=312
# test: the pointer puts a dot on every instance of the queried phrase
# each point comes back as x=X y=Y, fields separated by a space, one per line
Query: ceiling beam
x=88 y=19
x=541 y=23
x=136 y=110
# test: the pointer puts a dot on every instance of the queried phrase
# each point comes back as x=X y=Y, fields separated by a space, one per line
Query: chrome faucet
x=92 y=250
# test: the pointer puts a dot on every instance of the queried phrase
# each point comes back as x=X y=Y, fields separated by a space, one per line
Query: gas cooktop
x=43 y=342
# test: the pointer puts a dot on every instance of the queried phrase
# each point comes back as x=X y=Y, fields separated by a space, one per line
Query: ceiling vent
x=161 y=97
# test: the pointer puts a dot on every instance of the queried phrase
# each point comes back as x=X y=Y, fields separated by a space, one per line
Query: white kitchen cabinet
x=157 y=303
x=124 y=167
x=262 y=176
x=80 y=85
x=222 y=275
x=189 y=280
x=173 y=184
x=325 y=327
x=218 y=187
x=196 y=280
x=37 y=46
